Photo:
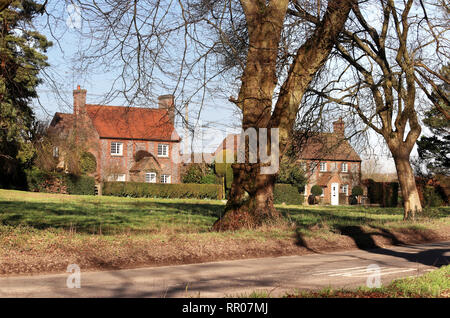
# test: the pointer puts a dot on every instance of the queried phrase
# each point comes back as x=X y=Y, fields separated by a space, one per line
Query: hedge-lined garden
x=54 y=182
x=162 y=190
x=288 y=194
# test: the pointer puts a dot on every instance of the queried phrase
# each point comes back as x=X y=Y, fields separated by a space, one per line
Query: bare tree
x=381 y=64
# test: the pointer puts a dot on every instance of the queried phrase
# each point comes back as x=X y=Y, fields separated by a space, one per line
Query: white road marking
x=362 y=271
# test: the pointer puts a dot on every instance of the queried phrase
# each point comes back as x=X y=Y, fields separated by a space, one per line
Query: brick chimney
x=167 y=102
x=79 y=100
x=339 y=127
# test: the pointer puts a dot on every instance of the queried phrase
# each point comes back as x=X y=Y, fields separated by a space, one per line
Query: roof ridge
x=135 y=107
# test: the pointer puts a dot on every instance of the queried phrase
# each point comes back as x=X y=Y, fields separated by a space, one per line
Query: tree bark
x=411 y=199
x=250 y=203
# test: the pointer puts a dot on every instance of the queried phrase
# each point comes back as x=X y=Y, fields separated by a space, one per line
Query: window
x=323 y=192
x=163 y=150
x=116 y=148
x=303 y=166
x=344 y=167
x=55 y=152
x=323 y=166
x=344 y=189
x=335 y=166
x=150 y=177
x=165 y=178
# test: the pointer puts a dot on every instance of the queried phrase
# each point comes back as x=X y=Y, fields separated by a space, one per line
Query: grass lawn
x=42 y=232
x=433 y=284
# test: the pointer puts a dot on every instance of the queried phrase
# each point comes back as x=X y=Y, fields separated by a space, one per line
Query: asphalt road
x=233 y=278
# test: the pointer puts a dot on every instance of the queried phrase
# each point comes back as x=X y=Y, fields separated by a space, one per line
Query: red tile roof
x=132 y=123
x=328 y=146
x=323 y=146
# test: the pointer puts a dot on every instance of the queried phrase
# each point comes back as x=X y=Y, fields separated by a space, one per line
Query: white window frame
x=56 y=152
x=344 y=189
x=323 y=192
x=117 y=151
x=344 y=167
x=323 y=167
x=163 y=150
x=166 y=178
x=150 y=177
x=121 y=177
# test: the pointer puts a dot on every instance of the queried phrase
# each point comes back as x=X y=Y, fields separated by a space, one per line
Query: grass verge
x=433 y=284
x=45 y=232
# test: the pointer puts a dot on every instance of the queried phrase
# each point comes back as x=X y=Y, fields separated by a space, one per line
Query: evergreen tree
x=434 y=151
x=22 y=57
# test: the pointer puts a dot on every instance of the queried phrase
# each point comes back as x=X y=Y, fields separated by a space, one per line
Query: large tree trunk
x=411 y=199
x=250 y=203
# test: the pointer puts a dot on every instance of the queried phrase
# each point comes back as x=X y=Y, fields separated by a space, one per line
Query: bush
x=88 y=163
x=288 y=194
x=431 y=197
x=52 y=182
x=357 y=190
x=193 y=175
x=316 y=190
x=81 y=185
x=209 y=179
x=383 y=193
x=162 y=190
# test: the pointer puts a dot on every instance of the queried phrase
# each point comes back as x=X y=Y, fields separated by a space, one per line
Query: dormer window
x=344 y=167
x=323 y=167
x=116 y=149
x=163 y=150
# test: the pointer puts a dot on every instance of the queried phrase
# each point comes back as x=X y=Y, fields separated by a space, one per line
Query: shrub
x=431 y=197
x=357 y=190
x=316 y=190
x=52 y=182
x=81 y=185
x=353 y=200
x=288 y=194
x=383 y=193
x=88 y=163
x=162 y=190
x=193 y=174
x=209 y=179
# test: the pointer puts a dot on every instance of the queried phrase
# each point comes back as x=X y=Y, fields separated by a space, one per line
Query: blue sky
x=218 y=113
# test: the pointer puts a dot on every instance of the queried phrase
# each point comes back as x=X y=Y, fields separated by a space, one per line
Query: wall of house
x=113 y=164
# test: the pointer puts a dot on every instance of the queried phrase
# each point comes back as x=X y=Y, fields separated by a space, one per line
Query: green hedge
x=383 y=193
x=162 y=190
x=286 y=193
x=53 y=182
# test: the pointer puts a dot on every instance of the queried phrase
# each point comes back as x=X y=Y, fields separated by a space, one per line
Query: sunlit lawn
x=109 y=215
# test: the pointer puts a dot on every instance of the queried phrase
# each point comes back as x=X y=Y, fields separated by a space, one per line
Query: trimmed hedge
x=163 y=190
x=288 y=194
x=53 y=182
x=383 y=193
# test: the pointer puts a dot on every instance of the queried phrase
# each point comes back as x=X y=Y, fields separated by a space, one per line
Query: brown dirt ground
x=97 y=253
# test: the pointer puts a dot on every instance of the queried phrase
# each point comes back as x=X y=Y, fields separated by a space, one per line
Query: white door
x=335 y=194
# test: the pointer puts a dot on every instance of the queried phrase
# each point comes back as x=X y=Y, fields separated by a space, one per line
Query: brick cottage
x=328 y=160
x=128 y=143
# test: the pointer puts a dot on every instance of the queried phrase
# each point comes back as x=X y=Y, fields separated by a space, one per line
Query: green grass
x=42 y=232
x=433 y=284
x=112 y=215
